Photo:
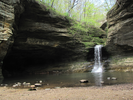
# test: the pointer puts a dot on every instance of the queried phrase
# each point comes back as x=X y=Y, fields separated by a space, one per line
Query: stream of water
x=72 y=80
x=98 y=56
x=95 y=78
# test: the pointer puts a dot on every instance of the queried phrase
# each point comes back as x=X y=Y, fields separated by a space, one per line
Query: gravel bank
x=114 y=92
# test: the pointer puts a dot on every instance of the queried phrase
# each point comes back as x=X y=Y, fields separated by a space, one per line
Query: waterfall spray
x=97 y=66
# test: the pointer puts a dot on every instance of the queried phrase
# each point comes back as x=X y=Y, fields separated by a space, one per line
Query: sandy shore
x=114 y=92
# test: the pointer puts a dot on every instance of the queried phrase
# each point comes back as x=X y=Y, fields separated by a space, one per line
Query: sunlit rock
x=83 y=81
x=114 y=78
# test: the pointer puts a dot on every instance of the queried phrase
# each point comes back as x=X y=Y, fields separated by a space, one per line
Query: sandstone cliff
x=120 y=25
x=120 y=34
x=7 y=19
x=34 y=38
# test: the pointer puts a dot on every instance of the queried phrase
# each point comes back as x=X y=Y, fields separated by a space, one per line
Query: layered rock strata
x=120 y=27
x=120 y=35
x=7 y=19
x=35 y=39
x=32 y=36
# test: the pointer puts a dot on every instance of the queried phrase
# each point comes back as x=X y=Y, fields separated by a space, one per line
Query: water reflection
x=98 y=78
x=72 y=80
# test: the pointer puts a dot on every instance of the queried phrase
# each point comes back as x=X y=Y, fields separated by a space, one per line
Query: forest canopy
x=90 y=12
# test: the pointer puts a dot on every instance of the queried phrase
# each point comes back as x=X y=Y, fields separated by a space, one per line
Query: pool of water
x=73 y=79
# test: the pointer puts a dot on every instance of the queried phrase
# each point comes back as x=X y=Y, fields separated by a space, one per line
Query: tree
x=86 y=11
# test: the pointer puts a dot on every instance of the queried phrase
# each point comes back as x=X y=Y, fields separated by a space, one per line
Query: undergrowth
x=89 y=35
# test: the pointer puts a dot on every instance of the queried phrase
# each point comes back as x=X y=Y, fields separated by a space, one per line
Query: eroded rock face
x=7 y=19
x=120 y=24
x=34 y=36
x=34 y=39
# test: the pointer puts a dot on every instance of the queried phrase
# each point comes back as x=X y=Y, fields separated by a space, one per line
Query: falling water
x=97 y=66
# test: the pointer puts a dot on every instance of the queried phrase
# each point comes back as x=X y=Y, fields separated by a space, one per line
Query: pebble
x=47 y=89
x=6 y=84
x=108 y=78
x=83 y=81
x=114 y=78
x=32 y=86
x=19 y=84
x=57 y=87
x=24 y=83
x=15 y=85
x=40 y=81
x=38 y=84
x=2 y=85
x=28 y=84
x=102 y=82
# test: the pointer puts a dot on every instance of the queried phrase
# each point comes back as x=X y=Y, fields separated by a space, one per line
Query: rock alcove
x=40 y=40
x=33 y=37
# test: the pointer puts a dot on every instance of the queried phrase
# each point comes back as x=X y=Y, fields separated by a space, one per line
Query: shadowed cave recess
x=34 y=38
x=40 y=40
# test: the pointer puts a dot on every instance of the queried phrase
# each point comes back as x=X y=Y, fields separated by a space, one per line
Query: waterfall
x=98 y=54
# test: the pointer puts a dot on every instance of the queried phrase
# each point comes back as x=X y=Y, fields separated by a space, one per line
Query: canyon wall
x=34 y=39
x=31 y=35
x=120 y=27
x=7 y=21
x=120 y=34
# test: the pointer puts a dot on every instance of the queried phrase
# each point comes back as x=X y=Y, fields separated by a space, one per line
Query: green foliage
x=83 y=30
x=77 y=27
x=88 y=44
x=88 y=35
x=84 y=11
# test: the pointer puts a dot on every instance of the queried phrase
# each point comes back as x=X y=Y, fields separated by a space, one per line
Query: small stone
x=114 y=78
x=32 y=86
x=6 y=84
x=2 y=85
x=102 y=82
x=47 y=89
x=24 y=83
x=19 y=84
x=15 y=85
x=40 y=81
x=57 y=87
x=38 y=84
x=28 y=84
x=108 y=78
x=83 y=81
